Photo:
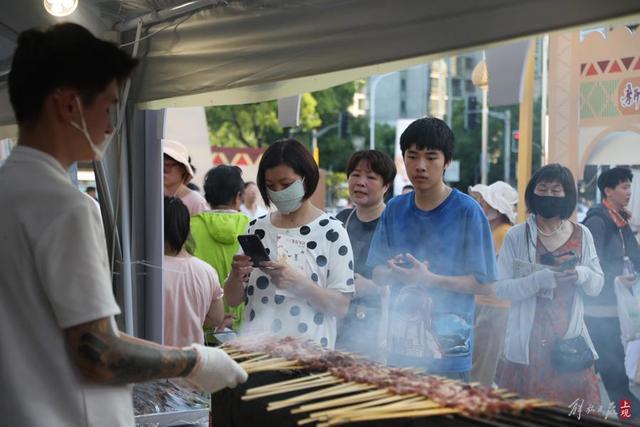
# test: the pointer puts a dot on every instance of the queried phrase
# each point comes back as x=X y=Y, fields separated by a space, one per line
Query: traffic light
x=472 y=113
x=343 y=125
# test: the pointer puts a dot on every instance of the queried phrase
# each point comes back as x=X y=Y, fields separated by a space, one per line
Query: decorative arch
x=584 y=158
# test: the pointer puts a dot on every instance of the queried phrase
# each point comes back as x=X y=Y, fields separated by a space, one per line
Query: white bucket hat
x=500 y=196
x=177 y=152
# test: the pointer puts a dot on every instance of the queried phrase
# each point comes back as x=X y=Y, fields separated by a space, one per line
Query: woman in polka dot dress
x=308 y=283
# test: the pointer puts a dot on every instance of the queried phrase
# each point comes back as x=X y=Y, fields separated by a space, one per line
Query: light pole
x=372 y=109
x=480 y=78
x=315 y=134
x=506 y=118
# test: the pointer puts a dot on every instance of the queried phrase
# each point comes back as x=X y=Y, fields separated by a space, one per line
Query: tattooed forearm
x=106 y=357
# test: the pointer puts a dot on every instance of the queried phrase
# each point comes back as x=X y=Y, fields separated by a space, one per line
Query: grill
x=290 y=385
x=229 y=410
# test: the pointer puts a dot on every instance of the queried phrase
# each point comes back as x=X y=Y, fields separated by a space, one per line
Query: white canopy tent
x=208 y=52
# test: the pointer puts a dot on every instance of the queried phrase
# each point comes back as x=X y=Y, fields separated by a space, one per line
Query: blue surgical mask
x=290 y=199
x=98 y=149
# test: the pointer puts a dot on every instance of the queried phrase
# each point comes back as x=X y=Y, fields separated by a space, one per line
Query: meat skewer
x=356 y=375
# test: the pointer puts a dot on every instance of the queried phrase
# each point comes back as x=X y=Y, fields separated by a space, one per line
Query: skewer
x=270 y=365
x=414 y=403
x=281 y=384
x=274 y=368
x=242 y=355
x=295 y=387
x=531 y=403
x=396 y=415
x=253 y=360
x=331 y=391
x=508 y=395
x=263 y=360
x=341 y=401
x=316 y=416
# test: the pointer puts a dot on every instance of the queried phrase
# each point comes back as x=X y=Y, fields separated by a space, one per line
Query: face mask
x=98 y=149
x=549 y=206
x=289 y=199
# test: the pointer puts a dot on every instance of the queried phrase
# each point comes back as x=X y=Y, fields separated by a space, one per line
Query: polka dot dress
x=327 y=260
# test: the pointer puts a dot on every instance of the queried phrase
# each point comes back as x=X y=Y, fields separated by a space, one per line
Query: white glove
x=214 y=370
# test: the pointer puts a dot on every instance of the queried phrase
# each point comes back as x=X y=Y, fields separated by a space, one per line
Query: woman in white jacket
x=544 y=267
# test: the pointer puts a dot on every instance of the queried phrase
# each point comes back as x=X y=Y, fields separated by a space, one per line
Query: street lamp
x=480 y=78
x=372 y=109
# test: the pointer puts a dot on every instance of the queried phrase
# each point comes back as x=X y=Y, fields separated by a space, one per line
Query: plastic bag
x=628 y=311
x=632 y=360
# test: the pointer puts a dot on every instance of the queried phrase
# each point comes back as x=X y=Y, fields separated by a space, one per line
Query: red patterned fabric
x=621 y=218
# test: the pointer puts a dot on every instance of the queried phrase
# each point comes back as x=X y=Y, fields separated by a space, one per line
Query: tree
x=468 y=146
x=255 y=125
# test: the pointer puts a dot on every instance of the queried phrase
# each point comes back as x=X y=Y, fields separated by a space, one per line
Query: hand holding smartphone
x=252 y=246
x=402 y=261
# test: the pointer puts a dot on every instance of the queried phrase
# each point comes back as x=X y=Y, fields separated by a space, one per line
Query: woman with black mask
x=545 y=266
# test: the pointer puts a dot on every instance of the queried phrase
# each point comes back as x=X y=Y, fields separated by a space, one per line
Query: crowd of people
x=442 y=280
x=433 y=278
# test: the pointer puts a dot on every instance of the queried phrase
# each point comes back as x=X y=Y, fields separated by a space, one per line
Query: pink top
x=190 y=286
x=195 y=203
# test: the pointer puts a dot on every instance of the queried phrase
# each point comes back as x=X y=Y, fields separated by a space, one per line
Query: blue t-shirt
x=432 y=327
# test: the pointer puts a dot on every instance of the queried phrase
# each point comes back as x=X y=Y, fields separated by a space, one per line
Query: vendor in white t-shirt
x=309 y=281
x=178 y=171
x=64 y=362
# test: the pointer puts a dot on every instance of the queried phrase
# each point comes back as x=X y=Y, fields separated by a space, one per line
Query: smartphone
x=403 y=262
x=252 y=246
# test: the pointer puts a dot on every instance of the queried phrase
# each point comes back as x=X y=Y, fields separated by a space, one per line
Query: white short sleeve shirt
x=322 y=251
x=55 y=274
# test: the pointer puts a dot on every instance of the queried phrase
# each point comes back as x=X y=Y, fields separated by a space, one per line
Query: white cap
x=177 y=152
x=500 y=196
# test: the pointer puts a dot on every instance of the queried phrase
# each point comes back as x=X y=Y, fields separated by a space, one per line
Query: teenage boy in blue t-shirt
x=434 y=247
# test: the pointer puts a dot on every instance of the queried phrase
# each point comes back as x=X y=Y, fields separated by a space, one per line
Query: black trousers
x=605 y=334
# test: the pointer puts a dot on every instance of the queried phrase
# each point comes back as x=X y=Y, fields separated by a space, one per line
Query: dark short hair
x=222 y=184
x=612 y=177
x=553 y=173
x=292 y=153
x=89 y=189
x=429 y=133
x=64 y=55
x=408 y=187
x=247 y=184
x=378 y=161
x=176 y=222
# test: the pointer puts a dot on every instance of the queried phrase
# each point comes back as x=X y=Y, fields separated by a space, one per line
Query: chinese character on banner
x=625 y=409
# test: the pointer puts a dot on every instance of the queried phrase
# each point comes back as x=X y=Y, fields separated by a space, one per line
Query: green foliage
x=337 y=187
x=468 y=145
x=255 y=125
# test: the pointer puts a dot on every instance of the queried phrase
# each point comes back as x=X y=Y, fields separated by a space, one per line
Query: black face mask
x=549 y=206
